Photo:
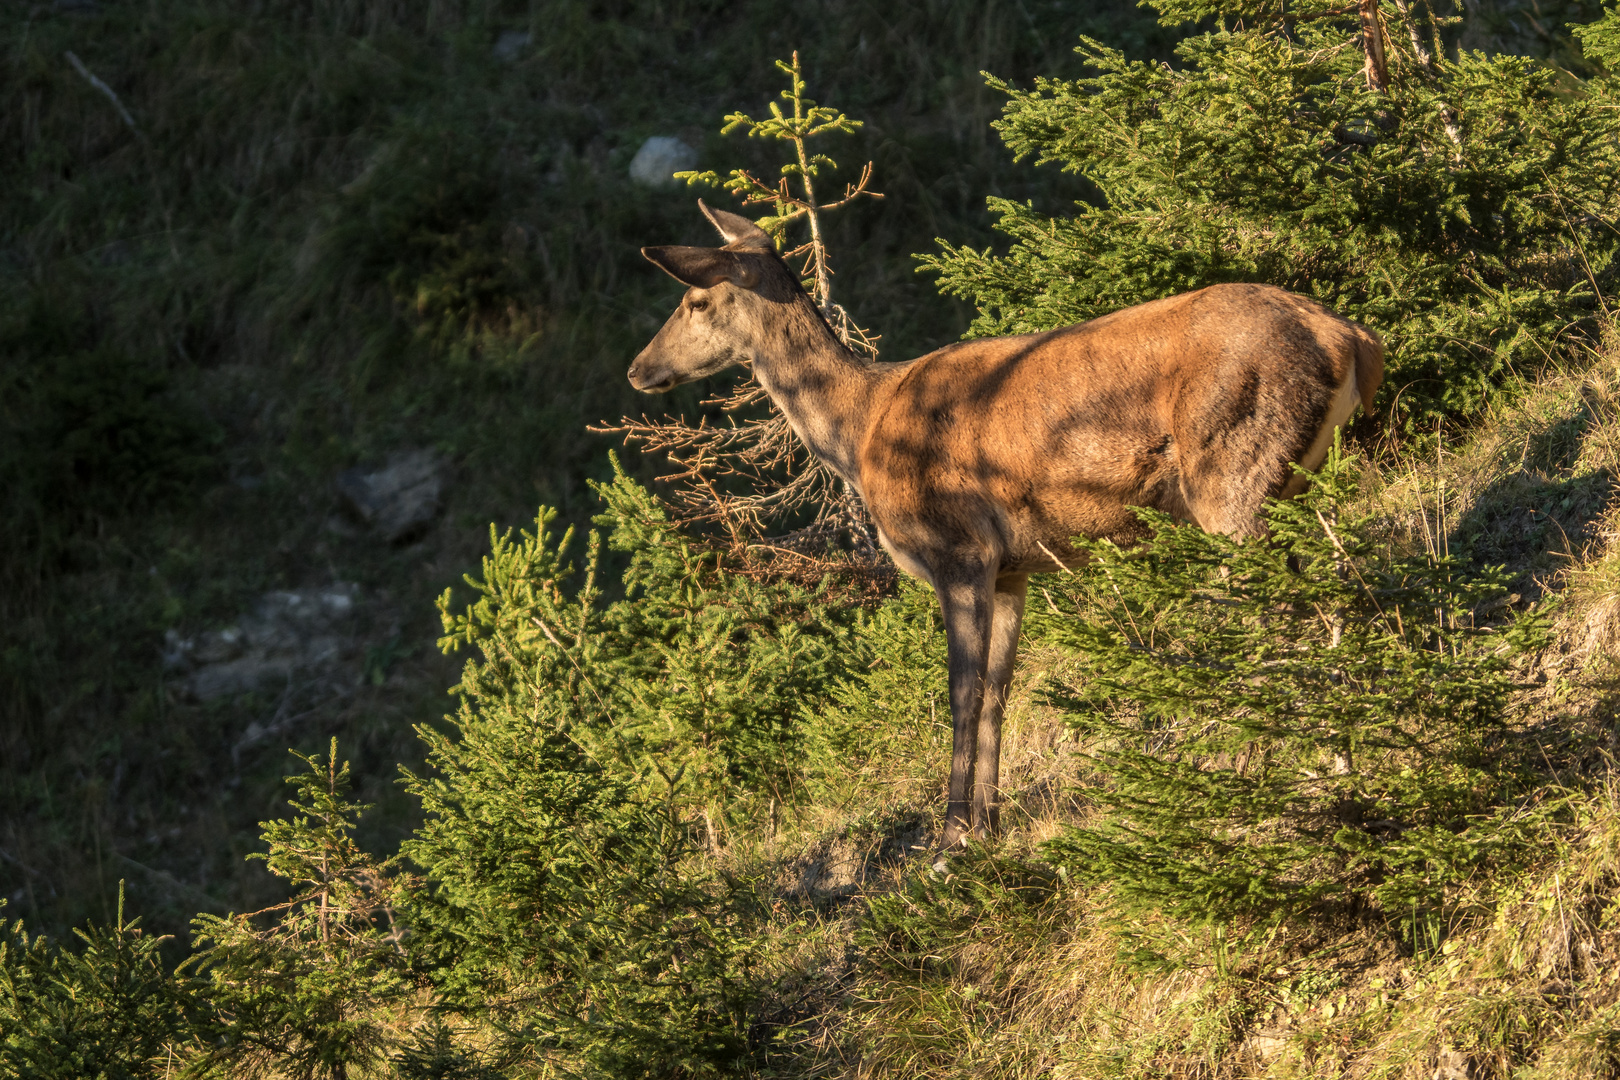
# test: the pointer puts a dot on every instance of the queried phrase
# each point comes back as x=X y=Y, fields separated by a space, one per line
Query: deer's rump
x=1198 y=405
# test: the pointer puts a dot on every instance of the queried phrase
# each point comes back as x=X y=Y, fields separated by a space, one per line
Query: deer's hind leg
x=1007 y=622
x=1242 y=440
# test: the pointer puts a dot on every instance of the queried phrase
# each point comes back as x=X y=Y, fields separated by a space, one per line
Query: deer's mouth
x=658 y=383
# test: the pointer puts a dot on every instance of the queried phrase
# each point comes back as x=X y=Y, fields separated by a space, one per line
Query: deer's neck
x=823 y=388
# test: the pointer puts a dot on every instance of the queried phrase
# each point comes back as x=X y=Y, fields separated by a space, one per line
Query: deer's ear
x=735 y=229
x=704 y=268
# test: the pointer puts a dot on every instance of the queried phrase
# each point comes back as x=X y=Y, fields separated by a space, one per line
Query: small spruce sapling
x=1290 y=726
x=779 y=478
x=107 y=1009
x=595 y=761
x=312 y=991
x=714 y=670
x=808 y=121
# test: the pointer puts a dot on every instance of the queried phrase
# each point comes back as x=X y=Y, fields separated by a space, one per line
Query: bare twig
x=140 y=137
x=1425 y=62
x=90 y=77
x=1419 y=50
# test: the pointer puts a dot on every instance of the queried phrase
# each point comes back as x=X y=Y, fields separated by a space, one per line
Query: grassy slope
x=1019 y=976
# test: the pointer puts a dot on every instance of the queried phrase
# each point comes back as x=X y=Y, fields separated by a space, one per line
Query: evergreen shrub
x=1316 y=723
x=307 y=987
x=598 y=750
x=566 y=901
x=1463 y=211
x=888 y=713
x=1600 y=40
x=109 y=1009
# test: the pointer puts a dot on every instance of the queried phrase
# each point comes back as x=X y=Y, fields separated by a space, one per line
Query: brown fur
x=979 y=462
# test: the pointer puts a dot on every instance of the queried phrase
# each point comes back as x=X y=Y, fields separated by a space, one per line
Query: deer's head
x=727 y=307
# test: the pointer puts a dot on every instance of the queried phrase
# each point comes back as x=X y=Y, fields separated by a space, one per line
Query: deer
x=981 y=462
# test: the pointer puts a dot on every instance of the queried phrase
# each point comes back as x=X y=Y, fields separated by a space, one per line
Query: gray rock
x=339 y=525
x=220 y=646
x=659 y=158
x=287 y=636
x=176 y=651
x=399 y=500
x=238 y=676
x=512 y=44
x=1452 y=1065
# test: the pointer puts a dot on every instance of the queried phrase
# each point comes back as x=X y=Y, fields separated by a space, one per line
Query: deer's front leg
x=966 y=599
x=1007 y=621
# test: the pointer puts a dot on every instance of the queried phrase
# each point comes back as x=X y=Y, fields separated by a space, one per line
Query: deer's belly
x=905 y=560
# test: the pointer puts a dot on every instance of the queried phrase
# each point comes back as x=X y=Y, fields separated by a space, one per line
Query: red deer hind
x=979 y=461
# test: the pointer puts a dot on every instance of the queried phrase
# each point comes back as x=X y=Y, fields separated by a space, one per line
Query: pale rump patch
x=1345 y=400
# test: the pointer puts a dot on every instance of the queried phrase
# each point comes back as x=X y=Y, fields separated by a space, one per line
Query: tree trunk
x=1372 y=42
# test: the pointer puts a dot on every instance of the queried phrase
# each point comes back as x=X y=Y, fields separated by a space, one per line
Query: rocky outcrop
x=659 y=159
x=286 y=636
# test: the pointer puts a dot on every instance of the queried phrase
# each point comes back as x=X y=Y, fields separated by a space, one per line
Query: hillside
x=302 y=298
x=328 y=236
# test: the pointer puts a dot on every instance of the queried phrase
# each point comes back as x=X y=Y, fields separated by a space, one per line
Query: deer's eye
x=698 y=305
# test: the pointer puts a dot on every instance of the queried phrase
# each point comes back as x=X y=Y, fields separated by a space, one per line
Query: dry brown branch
x=1372 y=42
x=746 y=474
